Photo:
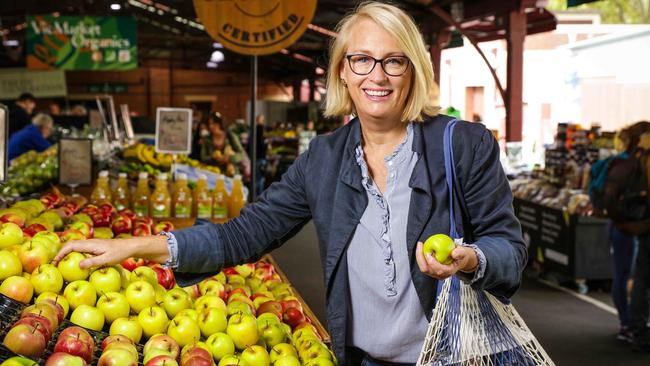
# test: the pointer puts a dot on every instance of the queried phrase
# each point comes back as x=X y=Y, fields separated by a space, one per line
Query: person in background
x=624 y=249
x=79 y=110
x=221 y=148
x=375 y=190
x=200 y=133
x=54 y=108
x=20 y=114
x=32 y=137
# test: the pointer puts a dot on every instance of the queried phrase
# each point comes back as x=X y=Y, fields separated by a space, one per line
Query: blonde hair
x=420 y=100
x=42 y=120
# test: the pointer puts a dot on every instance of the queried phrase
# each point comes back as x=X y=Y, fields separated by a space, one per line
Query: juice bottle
x=121 y=198
x=161 y=201
x=220 y=200
x=102 y=192
x=237 y=199
x=182 y=197
x=202 y=199
x=141 y=196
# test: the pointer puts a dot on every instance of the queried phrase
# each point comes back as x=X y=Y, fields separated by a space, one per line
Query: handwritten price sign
x=174 y=130
x=75 y=161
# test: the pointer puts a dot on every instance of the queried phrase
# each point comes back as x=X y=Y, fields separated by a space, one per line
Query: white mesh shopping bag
x=470 y=327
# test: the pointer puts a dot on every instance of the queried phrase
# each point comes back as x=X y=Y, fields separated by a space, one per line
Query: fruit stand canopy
x=169 y=32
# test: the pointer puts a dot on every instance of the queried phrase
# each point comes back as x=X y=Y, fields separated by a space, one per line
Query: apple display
x=40 y=323
x=282 y=350
x=190 y=313
x=209 y=301
x=129 y=327
x=273 y=307
x=242 y=328
x=115 y=338
x=140 y=295
x=9 y=265
x=162 y=360
x=127 y=346
x=106 y=280
x=293 y=317
x=103 y=233
x=272 y=333
x=161 y=226
x=320 y=362
x=440 y=246
x=287 y=361
x=184 y=330
x=25 y=340
x=154 y=354
x=54 y=298
x=315 y=350
x=153 y=320
x=46 y=278
x=236 y=307
x=232 y=360
x=122 y=225
x=13 y=218
x=212 y=287
x=85 y=228
x=114 y=305
x=80 y=293
x=18 y=288
x=46 y=310
x=144 y=273
x=69 y=267
x=117 y=357
x=72 y=234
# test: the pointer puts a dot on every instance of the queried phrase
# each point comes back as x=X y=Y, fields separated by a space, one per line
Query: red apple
x=127 y=213
x=71 y=234
x=230 y=271
x=293 y=317
x=10 y=217
x=115 y=338
x=122 y=225
x=64 y=359
x=132 y=263
x=75 y=341
x=141 y=229
x=25 y=340
x=44 y=325
x=101 y=220
x=32 y=229
x=162 y=360
x=107 y=209
x=145 y=220
x=291 y=303
x=163 y=226
x=272 y=307
x=85 y=228
x=165 y=276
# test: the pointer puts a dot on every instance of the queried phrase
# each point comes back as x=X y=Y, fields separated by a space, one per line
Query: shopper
x=20 y=114
x=375 y=189
x=32 y=137
x=221 y=148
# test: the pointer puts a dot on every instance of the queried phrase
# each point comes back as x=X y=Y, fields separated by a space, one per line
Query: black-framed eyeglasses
x=361 y=64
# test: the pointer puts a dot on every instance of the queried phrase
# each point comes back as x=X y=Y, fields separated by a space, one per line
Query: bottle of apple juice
x=182 y=197
x=220 y=201
x=161 y=201
x=141 y=196
x=121 y=198
x=102 y=192
x=237 y=199
x=202 y=198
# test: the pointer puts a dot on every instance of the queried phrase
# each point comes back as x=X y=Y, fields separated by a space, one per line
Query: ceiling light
x=211 y=65
x=217 y=56
x=116 y=6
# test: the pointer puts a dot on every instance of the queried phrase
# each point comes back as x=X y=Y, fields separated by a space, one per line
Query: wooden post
x=516 y=34
x=438 y=43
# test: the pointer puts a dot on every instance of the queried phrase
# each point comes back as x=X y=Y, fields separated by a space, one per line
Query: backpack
x=625 y=195
x=596 y=188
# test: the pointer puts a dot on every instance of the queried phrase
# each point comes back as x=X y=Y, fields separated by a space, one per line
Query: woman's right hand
x=114 y=251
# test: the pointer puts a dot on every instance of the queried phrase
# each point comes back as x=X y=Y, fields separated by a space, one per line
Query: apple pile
x=245 y=315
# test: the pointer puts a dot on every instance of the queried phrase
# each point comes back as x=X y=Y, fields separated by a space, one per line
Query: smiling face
x=377 y=95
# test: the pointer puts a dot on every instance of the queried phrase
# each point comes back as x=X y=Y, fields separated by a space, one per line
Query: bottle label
x=220 y=213
x=119 y=206
x=160 y=210
x=182 y=211
x=141 y=210
x=203 y=211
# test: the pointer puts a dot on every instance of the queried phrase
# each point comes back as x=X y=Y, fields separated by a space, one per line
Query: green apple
x=256 y=356
x=184 y=330
x=125 y=275
x=221 y=277
x=117 y=356
x=18 y=361
x=80 y=293
x=235 y=279
x=69 y=267
x=260 y=300
x=114 y=305
x=232 y=360
x=88 y=317
x=129 y=327
x=144 y=273
x=315 y=350
x=287 y=361
x=320 y=361
x=267 y=318
x=50 y=240
x=9 y=265
x=46 y=278
x=53 y=218
x=282 y=350
x=140 y=295
x=235 y=307
x=32 y=255
x=209 y=301
x=10 y=234
x=212 y=320
x=272 y=333
x=103 y=233
x=440 y=246
x=160 y=293
x=153 y=320
x=106 y=279
x=221 y=345
x=155 y=353
x=54 y=298
x=18 y=288
x=191 y=313
x=212 y=287
x=82 y=217
x=242 y=328
x=176 y=300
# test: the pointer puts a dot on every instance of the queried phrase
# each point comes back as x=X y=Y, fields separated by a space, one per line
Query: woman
x=221 y=148
x=375 y=189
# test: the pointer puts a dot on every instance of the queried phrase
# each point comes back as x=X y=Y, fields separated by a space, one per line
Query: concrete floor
x=573 y=331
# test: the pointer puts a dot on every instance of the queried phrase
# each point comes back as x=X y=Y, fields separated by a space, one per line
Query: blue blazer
x=324 y=184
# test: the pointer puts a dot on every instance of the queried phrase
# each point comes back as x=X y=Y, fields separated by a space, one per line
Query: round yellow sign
x=255 y=27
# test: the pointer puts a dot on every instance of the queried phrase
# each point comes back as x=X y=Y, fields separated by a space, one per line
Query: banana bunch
x=147 y=155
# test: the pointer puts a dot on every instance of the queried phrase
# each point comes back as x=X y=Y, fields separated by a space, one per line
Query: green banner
x=81 y=43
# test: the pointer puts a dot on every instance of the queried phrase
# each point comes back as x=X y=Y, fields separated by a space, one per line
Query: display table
x=569 y=245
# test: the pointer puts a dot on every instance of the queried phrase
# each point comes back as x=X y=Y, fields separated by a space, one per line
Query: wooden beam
x=516 y=33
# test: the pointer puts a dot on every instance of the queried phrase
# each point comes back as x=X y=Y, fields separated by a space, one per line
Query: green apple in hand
x=439 y=246
x=69 y=267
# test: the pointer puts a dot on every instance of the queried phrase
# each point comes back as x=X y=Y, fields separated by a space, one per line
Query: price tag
x=4 y=138
x=75 y=161
x=174 y=130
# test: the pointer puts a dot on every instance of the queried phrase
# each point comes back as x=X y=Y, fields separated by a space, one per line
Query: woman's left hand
x=463 y=259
